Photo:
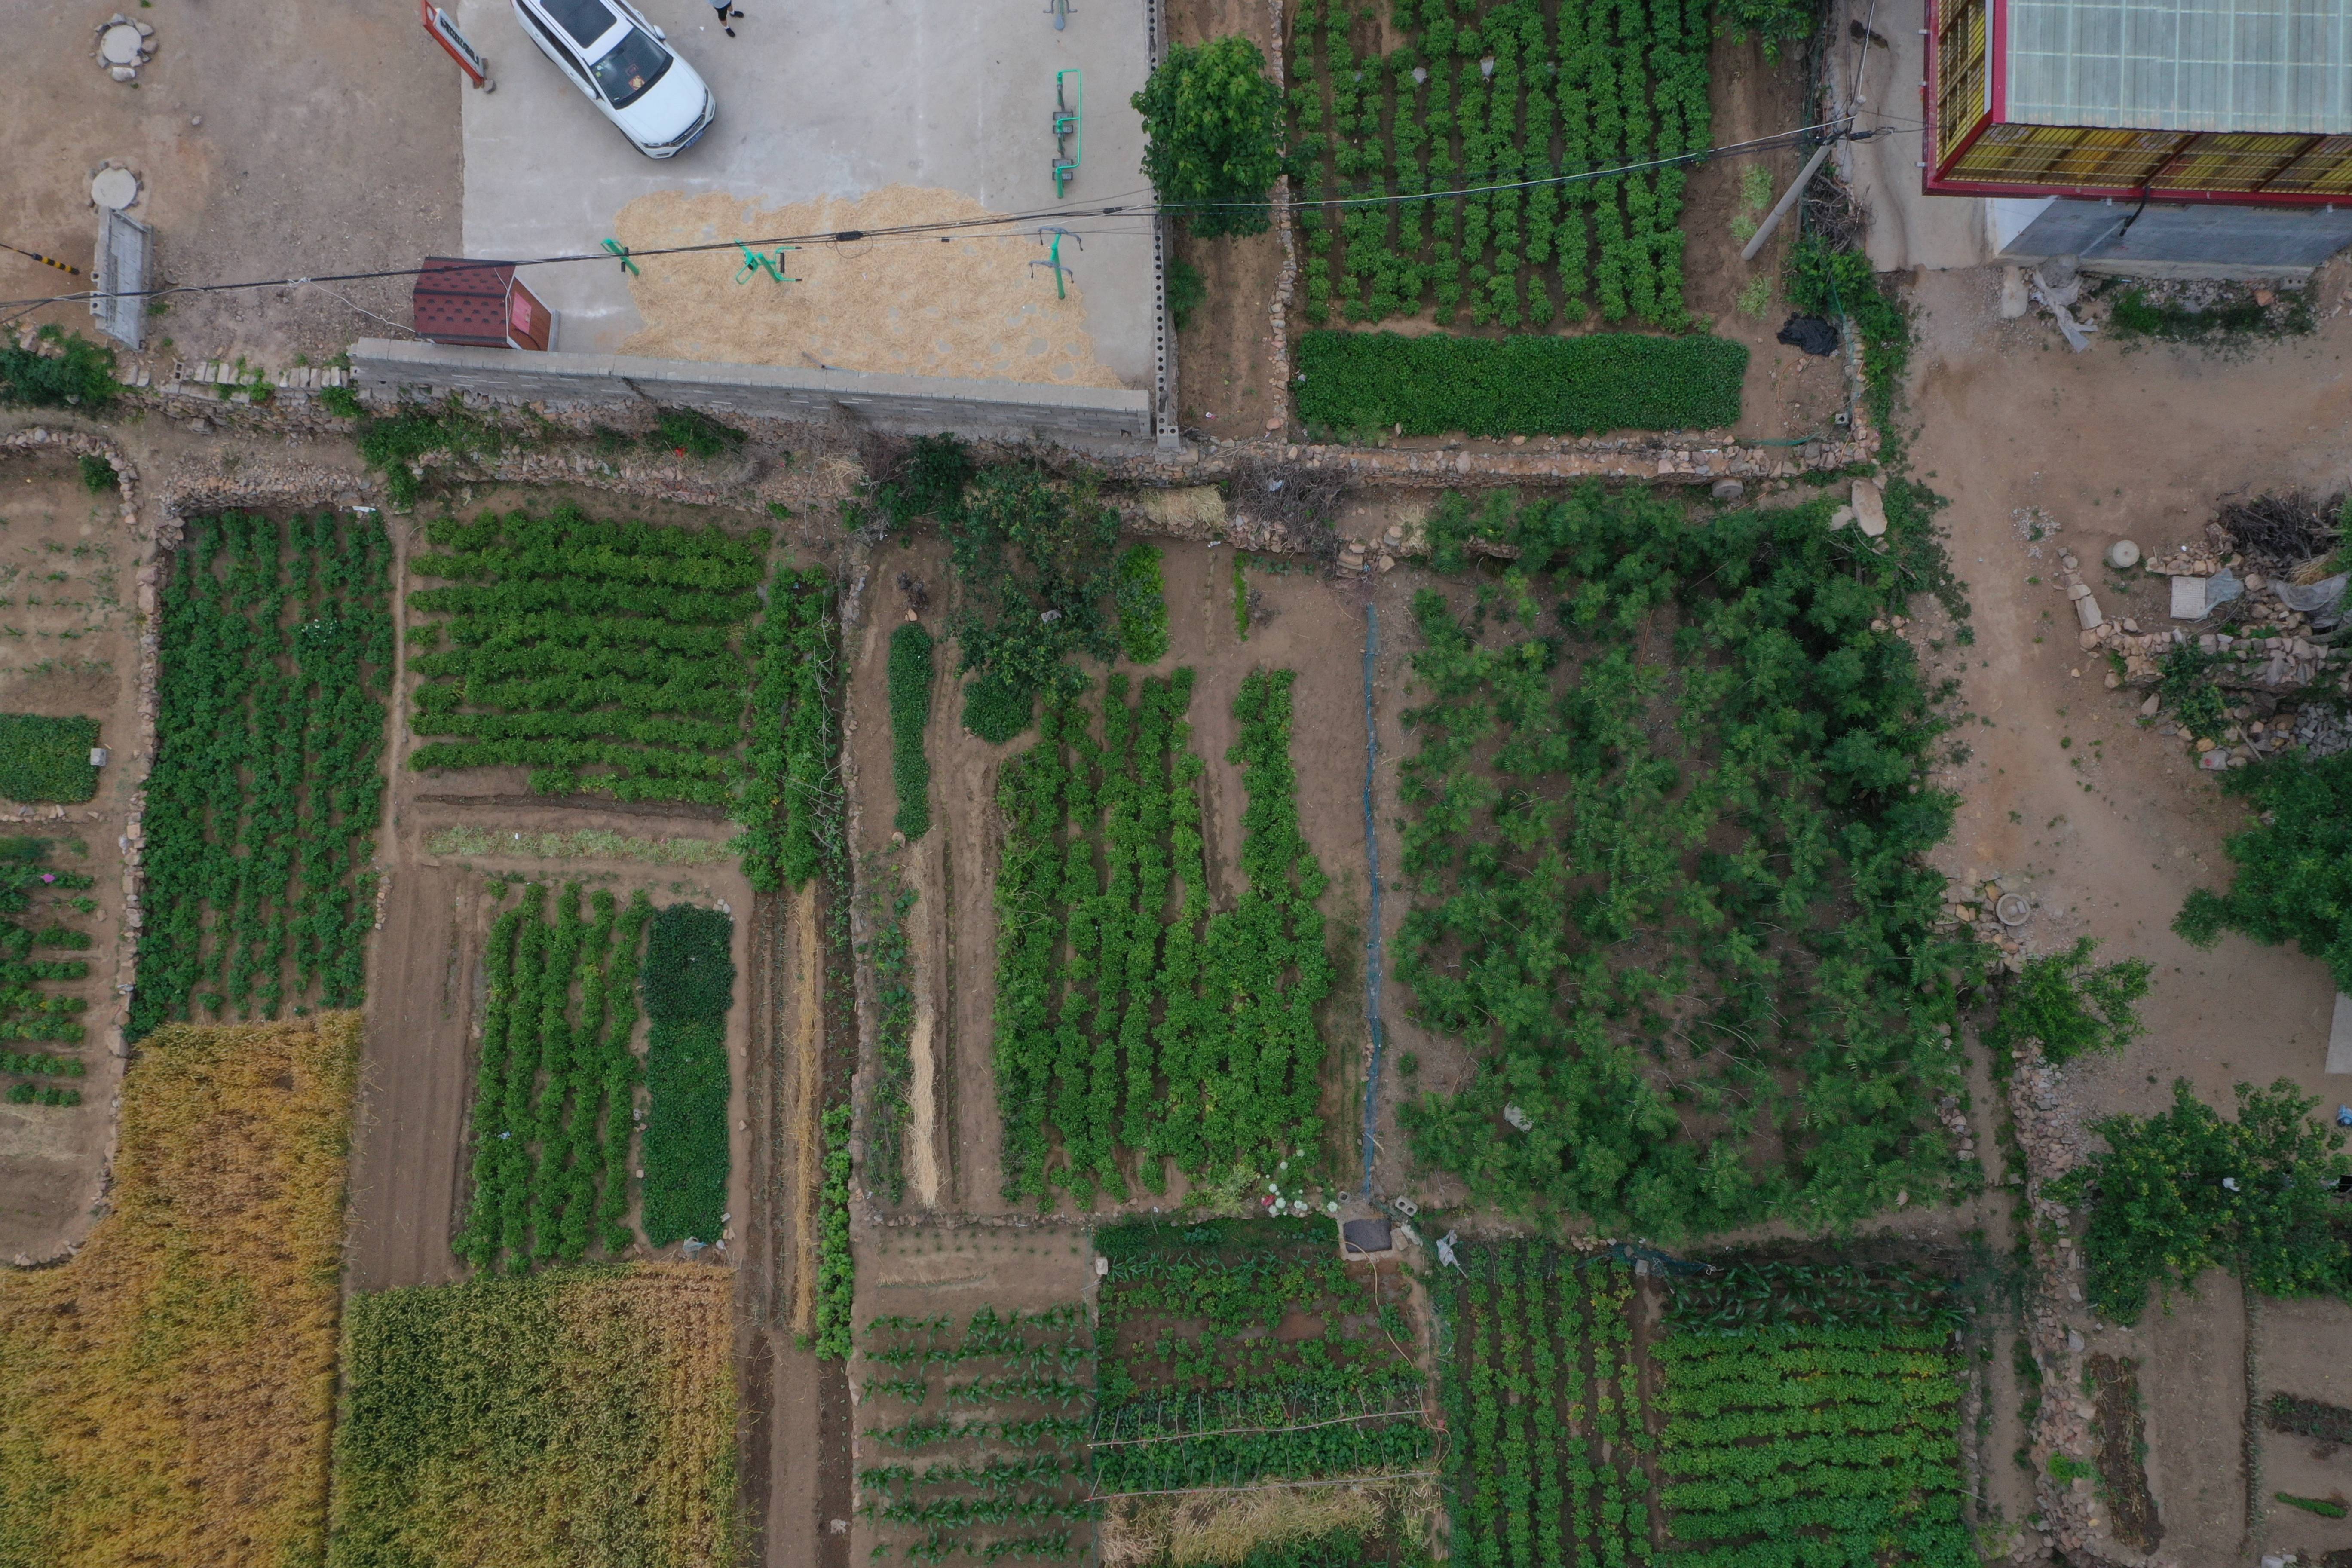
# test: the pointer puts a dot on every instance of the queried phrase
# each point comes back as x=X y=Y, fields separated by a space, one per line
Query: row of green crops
x=1014 y=1390
x=555 y=1087
x=1528 y=384
x=1488 y=94
x=836 y=1261
x=1797 y=1443
x=602 y=657
x=1545 y=1394
x=1128 y=1017
x=44 y=759
x=1196 y=1388
x=891 y=959
x=792 y=805
x=27 y=1013
x=1665 y=829
x=690 y=985
x=262 y=805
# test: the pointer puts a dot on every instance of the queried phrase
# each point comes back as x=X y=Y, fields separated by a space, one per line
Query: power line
x=1838 y=131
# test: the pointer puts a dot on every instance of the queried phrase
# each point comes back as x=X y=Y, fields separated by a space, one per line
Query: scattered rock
x=2122 y=555
x=1869 y=508
x=1728 y=490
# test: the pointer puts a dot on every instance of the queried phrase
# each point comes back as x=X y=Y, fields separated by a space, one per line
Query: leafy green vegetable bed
x=46 y=759
x=689 y=981
x=1480 y=94
x=1665 y=837
x=1528 y=384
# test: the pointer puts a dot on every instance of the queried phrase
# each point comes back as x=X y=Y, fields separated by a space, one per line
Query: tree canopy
x=1212 y=117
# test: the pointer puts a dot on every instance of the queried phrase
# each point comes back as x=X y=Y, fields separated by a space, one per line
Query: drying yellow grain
x=166 y=1395
x=964 y=305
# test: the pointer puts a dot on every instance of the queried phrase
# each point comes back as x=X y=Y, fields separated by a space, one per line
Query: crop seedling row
x=792 y=786
x=262 y=805
x=1014 y=1395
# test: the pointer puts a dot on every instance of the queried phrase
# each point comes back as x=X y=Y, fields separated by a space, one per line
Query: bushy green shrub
x=44 y=759
x=98 y=475
x=930 y=483
x=995 y=711
x=391 y=443
x=2293 y=877
x=81 y=376
x=1523 y=386
x=695 y=434
x=911 y=715
x=688 y=981
x=339 y=401
x=1212 y=121
x=1776 y=22
x=2073 y=1005
x=836 y=1266
x=1187 y=291
x=1035 y=556
x=2185 y=1190
x=1142 y=605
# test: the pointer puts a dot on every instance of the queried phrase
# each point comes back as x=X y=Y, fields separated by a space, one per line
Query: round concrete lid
x=115 y=188
x=2012 y=910
x=2123 y=554
x=118 y=45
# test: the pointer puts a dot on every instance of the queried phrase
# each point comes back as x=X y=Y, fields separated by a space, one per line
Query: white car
x=620 y=60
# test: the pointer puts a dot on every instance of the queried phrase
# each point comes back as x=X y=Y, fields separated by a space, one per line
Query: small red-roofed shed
x=479 y=304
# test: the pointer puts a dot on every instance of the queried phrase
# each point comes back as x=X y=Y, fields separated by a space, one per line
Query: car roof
x=586 y=21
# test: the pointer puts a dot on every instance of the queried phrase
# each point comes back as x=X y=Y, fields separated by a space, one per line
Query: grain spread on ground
x=967 y=304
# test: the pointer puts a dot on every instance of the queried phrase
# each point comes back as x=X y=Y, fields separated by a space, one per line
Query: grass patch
x=2237 y=315
x=1187 y=291
x=165 y=1395
x=583 y=1416
x=1524 y=385
x=1820 y=281
x=44 y=759
x=79 y=375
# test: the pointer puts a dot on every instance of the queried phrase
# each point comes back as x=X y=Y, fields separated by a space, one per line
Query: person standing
x=726 y=12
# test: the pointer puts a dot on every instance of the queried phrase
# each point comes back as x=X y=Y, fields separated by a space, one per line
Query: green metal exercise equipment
x=754 y=263
x=627 y=266
x=1053 y=260
x=1069 y=147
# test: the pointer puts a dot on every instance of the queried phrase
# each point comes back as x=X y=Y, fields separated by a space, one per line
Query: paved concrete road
x=821 y=98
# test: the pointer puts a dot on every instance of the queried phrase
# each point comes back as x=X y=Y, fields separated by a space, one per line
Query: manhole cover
x=2012 y=910
x=115 y=188
x=118 y=45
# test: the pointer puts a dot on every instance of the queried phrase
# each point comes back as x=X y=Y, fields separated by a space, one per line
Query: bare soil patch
x=67 y=647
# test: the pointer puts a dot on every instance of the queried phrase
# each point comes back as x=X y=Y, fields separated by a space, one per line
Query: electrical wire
x=1796 y=137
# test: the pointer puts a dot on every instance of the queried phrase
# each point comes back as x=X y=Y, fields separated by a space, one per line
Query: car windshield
x=585 y=20
x=630 y=67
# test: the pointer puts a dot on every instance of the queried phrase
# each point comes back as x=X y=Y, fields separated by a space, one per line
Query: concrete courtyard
x=836 y=114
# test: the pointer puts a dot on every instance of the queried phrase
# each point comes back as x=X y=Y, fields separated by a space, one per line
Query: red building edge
x=478 y=304
x=2283 y=169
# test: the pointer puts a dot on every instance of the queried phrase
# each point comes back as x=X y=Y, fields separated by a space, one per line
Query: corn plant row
x=555 y=1086
x=983 y=1507
x=1666 y=828
x=1800 y=1443
x=1543 y=1387
x=556 y=623
x=276 y=655
x=1119 y=1030
x=1507 y=92
x=792 y=798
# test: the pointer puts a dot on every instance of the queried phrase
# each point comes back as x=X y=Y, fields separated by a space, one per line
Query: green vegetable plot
x=1544 y=1391
x=689 y=981
x=1017 y=1488
x=792 y=803
x=556 y=1082
x=263 y=802
x=1197 y=1390
x=47 y=759
x=602 y=657
x=1485 y=94
x=1127 y=1018
x=1529 y=385
x=1796 y=1443
x=1664 y=837
x=26 y=1012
